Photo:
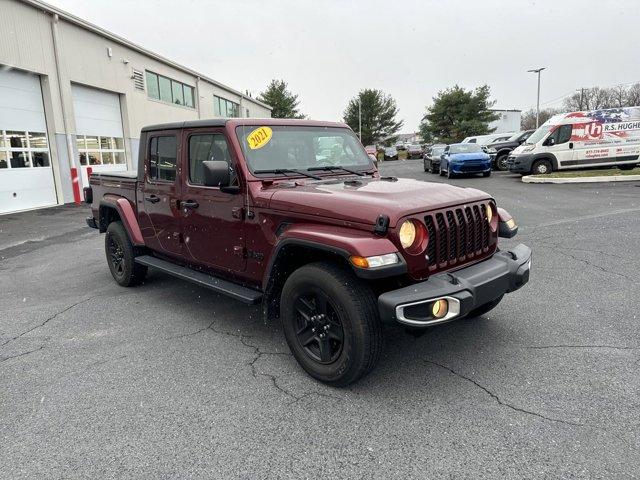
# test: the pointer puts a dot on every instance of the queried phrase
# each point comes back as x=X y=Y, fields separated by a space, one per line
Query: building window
x=20 y=149
x=163 y=158
x=225 y=108
x=94 y=150
x=169 y=91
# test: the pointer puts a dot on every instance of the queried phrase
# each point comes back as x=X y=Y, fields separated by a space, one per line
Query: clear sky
x=327 y=50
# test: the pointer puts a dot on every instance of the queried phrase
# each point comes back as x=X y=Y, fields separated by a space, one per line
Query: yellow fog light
x=439 y=308
x=407 y=234
x=511 y=223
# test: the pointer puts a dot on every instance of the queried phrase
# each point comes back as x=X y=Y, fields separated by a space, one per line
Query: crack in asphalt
x=3 y=359
x=258 y=353
x=47 y=320
x=502 y=402
x=587 y=262
x=613 y=347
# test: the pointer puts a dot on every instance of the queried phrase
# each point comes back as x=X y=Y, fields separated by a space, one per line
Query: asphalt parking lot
x=169 y=380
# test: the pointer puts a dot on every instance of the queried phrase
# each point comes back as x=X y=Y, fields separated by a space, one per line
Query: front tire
x=331 y=324
x=501 y=163
x=121 y=257
x=449 y=172
x=541 y=167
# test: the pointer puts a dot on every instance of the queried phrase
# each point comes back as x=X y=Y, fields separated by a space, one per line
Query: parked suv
x=500 y=151
x=293 y=215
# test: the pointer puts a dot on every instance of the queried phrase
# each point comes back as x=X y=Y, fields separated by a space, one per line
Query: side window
x=204 y=147
x=564 y=133
x=163 y=158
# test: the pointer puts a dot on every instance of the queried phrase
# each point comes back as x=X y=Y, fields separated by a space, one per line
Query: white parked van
x=487 y=139
x=581 y=139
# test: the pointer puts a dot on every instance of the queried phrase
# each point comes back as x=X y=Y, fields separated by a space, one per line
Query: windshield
x=539 y=134
x=465 y=148
x=515 y=137
x=300 y=148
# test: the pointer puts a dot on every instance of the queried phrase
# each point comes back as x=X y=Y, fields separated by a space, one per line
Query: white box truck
x=599 y=138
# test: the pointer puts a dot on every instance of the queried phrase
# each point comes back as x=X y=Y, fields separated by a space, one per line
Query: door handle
x=570 y=144
x=152 y=198
x=189 y=204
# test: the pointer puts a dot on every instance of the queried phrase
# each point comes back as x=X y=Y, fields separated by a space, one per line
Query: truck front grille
x=458 y=235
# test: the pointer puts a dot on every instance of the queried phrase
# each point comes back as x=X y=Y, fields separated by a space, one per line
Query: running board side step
x=244 y=294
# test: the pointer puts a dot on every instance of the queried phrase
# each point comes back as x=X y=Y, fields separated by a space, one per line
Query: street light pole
x=537 y=70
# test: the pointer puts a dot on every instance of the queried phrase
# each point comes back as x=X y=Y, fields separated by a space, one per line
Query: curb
x=603 y=179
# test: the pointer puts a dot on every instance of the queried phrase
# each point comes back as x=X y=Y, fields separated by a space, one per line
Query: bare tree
x=598 y=97
x=528 y=119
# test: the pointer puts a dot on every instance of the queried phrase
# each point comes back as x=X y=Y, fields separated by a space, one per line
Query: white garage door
x=26 y=177
x=99 y=136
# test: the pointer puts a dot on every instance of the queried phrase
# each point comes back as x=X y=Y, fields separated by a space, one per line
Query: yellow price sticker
x=259 y=137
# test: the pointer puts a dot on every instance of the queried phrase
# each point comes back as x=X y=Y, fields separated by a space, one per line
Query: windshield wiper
x=329 y=168
x=284 y=171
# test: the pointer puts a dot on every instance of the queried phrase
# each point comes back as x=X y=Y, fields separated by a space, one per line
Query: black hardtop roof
x=209 y=122
x=222 y=122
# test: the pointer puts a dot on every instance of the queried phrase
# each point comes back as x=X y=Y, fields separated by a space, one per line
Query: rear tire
x=426 y=169
x=121 y=257
x=541 y=167
x=325 y=299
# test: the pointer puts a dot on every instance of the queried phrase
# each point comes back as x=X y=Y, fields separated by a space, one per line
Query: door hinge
x=237 y=212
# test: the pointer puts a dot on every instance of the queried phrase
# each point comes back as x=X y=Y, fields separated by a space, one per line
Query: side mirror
x=551 y=141
x=216 y=173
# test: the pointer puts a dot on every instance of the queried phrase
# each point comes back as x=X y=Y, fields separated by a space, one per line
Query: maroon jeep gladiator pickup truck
x=293 y=215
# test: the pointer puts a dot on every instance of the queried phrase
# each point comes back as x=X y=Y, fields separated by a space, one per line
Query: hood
x=363 y=200
x=469 y=156
x=500 y=145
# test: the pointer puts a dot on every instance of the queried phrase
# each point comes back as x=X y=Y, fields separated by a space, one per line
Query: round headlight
x=407 y=234
x=489 y=212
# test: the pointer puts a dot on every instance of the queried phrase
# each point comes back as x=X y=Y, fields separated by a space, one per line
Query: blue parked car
x=459 y=158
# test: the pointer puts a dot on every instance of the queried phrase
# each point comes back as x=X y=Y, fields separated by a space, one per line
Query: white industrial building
x=508 y=121
x=73 y=98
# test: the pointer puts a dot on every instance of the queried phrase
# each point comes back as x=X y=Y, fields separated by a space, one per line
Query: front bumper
x=470 y=167
x=519 y=163
x=464 y=289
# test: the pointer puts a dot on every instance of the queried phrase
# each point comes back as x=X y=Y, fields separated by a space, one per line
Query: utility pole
x=537 y=70
x=581 y=96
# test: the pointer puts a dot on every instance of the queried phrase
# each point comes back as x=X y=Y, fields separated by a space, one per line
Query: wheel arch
x=303 y=244
x=551 y=158
x=113 y=208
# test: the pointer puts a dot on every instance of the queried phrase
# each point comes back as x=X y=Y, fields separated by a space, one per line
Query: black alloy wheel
x=116 y=255
x=319 y=329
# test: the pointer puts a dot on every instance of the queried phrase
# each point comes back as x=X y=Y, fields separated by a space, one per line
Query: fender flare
x=504 y=151
x=341 y=241
x=127 y=216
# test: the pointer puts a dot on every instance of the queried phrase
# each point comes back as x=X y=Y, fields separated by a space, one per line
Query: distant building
x=509 y=121
x=74 y=96
x=404 y=138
